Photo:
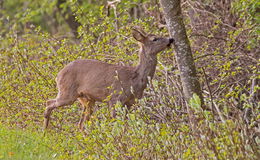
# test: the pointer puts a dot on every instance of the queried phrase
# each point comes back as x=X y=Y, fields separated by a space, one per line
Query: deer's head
x=151 y=44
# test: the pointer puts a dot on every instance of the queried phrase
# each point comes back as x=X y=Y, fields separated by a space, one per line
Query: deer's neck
x=146 y=67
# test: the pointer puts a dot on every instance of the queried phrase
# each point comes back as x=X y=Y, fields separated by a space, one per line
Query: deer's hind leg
x=61 y=100
x=86 y=112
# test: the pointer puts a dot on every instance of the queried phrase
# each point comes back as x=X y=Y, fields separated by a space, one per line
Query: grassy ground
x=18 y=144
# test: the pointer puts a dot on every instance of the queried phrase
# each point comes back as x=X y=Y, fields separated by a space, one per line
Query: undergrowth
x=159 y=126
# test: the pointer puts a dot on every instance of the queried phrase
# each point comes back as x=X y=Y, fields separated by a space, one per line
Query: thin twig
x=210 y=93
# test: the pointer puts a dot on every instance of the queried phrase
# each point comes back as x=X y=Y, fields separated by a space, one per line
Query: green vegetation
x=35 y=45
x=24 y=144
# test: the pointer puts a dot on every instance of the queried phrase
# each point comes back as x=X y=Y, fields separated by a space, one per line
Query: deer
x=90 y=81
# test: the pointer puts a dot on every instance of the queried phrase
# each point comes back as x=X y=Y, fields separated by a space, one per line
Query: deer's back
x=94 y=79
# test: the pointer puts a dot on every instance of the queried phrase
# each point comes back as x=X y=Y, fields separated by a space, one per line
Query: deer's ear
x=138 y=35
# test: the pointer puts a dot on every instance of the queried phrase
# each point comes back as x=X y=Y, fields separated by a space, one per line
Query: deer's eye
x=155 y=39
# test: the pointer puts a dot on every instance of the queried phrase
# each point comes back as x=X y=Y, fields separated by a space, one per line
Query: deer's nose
x=171 y=40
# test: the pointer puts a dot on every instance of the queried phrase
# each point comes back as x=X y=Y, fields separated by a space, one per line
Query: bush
x=160 y=126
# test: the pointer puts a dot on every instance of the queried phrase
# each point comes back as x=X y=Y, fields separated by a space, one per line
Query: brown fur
x=92 y=80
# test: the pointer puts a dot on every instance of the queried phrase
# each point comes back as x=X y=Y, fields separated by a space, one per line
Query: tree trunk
x=176 y=27
x=69 y=17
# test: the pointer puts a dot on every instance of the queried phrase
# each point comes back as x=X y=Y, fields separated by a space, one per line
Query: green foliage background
x=35 y=45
